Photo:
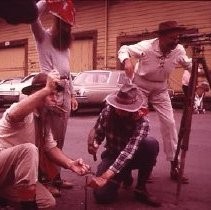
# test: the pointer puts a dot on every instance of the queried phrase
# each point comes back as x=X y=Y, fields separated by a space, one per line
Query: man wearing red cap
x=157 y=58
x=53 y=49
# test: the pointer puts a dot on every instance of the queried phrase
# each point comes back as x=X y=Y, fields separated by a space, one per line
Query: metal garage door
x=81 y=55
x=12 y=62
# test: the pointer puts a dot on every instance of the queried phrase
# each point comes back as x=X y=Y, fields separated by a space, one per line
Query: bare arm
x=125 y=53
x=183 y=59
x=59 y=158
x=29 y=104
x=129 y=68
x=37 y=27
x=73 y=101
x=97 y=133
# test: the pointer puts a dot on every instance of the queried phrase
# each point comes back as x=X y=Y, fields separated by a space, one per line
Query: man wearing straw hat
x=127 y=146
x=157 y=58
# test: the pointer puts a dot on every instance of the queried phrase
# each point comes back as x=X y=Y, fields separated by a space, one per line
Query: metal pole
x=85 y=190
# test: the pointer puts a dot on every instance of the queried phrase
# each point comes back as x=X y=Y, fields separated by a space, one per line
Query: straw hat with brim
x=38 y=82
x=170 y=26
x=127 y=99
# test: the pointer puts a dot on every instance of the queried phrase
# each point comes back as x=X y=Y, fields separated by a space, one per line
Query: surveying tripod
x=197 y=42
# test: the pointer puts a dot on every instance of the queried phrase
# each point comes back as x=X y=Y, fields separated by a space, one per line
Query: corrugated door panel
x=81 y=55
x=12 y=62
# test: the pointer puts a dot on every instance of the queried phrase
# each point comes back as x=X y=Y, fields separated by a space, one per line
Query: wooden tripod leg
x=186 y=124
x=180 y=136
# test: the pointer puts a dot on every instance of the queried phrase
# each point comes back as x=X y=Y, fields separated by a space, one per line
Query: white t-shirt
x=12 y=134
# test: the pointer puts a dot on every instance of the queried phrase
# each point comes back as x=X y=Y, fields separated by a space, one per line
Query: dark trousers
x=185 y=90
x=144 y=160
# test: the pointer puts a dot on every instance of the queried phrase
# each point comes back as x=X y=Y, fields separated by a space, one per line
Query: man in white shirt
x=157 y=58
x=26 y=143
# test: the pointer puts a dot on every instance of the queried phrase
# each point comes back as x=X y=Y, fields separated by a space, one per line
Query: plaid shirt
x=124 y=143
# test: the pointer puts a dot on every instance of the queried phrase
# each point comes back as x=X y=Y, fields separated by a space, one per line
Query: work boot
x=174 y=174
x=28 y=205
x=127 y=182
x=61 y=183
x=53 y=190
x=143 y=196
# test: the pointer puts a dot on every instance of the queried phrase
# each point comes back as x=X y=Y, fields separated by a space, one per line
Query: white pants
x=157 y=94
x=19 y=167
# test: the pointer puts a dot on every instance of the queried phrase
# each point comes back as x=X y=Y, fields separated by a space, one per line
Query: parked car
x=92 y=87
x=11 y=80
x=10 y=90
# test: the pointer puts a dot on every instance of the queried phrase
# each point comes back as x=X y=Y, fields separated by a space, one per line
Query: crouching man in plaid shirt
x=127 y=147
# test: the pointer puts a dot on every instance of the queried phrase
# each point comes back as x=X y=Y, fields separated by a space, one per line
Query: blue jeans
x=144 y=160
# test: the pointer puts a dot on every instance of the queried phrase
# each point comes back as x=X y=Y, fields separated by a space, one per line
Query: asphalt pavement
x=194 y=196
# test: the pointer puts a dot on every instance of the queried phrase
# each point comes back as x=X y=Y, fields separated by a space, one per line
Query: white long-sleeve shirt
x=152 y=65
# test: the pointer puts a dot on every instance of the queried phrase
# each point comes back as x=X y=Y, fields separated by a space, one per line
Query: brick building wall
x=112 y=19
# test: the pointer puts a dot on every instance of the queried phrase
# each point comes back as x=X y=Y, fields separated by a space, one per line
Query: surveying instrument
x=197 y=42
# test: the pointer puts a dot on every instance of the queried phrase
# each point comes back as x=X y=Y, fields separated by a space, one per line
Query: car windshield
x=11 y=81
x=28 y=78
x=91 y=78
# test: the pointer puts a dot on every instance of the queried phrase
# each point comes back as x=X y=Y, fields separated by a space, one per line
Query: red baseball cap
x=63 y=9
